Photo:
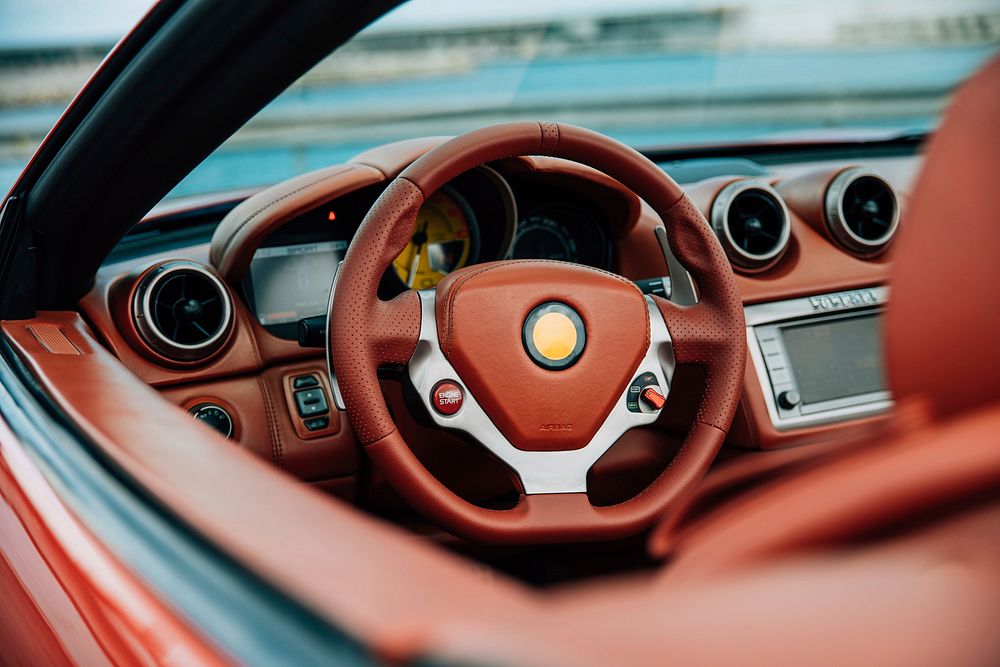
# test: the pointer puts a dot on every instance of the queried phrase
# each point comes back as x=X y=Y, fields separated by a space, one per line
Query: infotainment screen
x=291 y=282
x=836 y=358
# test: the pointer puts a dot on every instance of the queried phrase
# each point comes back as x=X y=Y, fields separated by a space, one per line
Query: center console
x=819 y=359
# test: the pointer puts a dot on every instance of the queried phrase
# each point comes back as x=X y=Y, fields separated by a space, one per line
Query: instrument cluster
x=566 y=232
x=478 y=217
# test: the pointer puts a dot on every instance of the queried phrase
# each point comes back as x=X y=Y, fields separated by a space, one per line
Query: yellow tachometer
x=442 y=242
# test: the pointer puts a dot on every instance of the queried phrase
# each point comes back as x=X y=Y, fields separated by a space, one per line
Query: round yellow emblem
x=554 y=336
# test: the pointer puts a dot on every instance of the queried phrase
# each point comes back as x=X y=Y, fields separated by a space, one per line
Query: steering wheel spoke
x=540 y=472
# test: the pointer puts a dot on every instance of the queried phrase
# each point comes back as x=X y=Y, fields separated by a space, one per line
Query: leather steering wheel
x=549 y=415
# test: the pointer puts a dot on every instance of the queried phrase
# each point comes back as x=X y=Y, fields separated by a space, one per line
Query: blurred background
x=652 y=74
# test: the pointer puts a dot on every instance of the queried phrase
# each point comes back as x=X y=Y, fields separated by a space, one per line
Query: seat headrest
x=943 y=321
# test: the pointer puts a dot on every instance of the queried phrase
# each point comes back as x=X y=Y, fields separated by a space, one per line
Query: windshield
x=652 y=73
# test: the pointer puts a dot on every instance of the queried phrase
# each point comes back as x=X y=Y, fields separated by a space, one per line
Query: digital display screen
x=836 y=358
x=291 y=282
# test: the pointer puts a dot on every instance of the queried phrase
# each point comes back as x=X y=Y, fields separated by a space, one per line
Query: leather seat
x=882 y=551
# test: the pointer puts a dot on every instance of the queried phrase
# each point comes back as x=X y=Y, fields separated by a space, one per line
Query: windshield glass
x=652 y=73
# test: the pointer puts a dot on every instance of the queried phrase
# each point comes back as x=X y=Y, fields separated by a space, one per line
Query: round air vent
x=752 y=223
x=182 y=311
x=862 y=211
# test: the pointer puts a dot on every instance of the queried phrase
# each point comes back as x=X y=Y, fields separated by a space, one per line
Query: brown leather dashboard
x=250 y=374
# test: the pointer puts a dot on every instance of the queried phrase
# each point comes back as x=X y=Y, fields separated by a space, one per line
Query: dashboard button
x=789 y=399
x=636 y=399
x=304 y=381
x=214 y=416
x=447 y=397
x=311 y=402
x=770 y=348
x=653 y=398
x=780 y=377
x=317 y=423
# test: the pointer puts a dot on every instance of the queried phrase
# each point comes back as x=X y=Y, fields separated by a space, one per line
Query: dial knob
x=789 y=399
x=214 y=416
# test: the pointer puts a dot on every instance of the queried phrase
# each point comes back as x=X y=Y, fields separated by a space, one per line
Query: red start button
x=447 y=397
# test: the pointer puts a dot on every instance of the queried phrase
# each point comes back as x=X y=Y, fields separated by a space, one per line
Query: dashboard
x=480 y=217
x=806 y=240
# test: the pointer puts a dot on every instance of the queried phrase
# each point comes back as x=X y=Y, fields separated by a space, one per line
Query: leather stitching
x=453 y=290
x=450 y=302
x=277 y=449
x=547 y=145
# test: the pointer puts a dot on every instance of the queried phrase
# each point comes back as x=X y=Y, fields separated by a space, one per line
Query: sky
x=33 y=22
x=52 y=22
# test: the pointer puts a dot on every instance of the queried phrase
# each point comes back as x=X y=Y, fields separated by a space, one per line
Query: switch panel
x=308 y=395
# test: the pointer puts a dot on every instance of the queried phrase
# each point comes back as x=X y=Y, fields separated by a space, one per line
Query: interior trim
x=743 y=260
x=781 y=311
x=220 y=597
x=145 y=322
x=836 y=219
x=346 y=564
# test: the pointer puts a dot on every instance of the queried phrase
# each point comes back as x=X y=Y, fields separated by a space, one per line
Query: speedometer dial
x=562 y=231
x=444 y=238
x=542 y=236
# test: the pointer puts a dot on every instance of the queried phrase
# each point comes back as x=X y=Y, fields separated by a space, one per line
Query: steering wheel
x=547 y=364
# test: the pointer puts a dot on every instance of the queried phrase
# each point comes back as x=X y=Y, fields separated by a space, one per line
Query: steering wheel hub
x=554 y=335
x=489 y=320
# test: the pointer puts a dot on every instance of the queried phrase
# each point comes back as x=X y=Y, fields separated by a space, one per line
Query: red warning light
x=331 y=216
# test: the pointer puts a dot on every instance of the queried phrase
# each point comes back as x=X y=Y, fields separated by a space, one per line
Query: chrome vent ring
x=862 y=211
x=752 y=222
x=182 y=311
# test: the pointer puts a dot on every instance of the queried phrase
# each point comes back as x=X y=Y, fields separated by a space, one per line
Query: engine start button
x=447 y=397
